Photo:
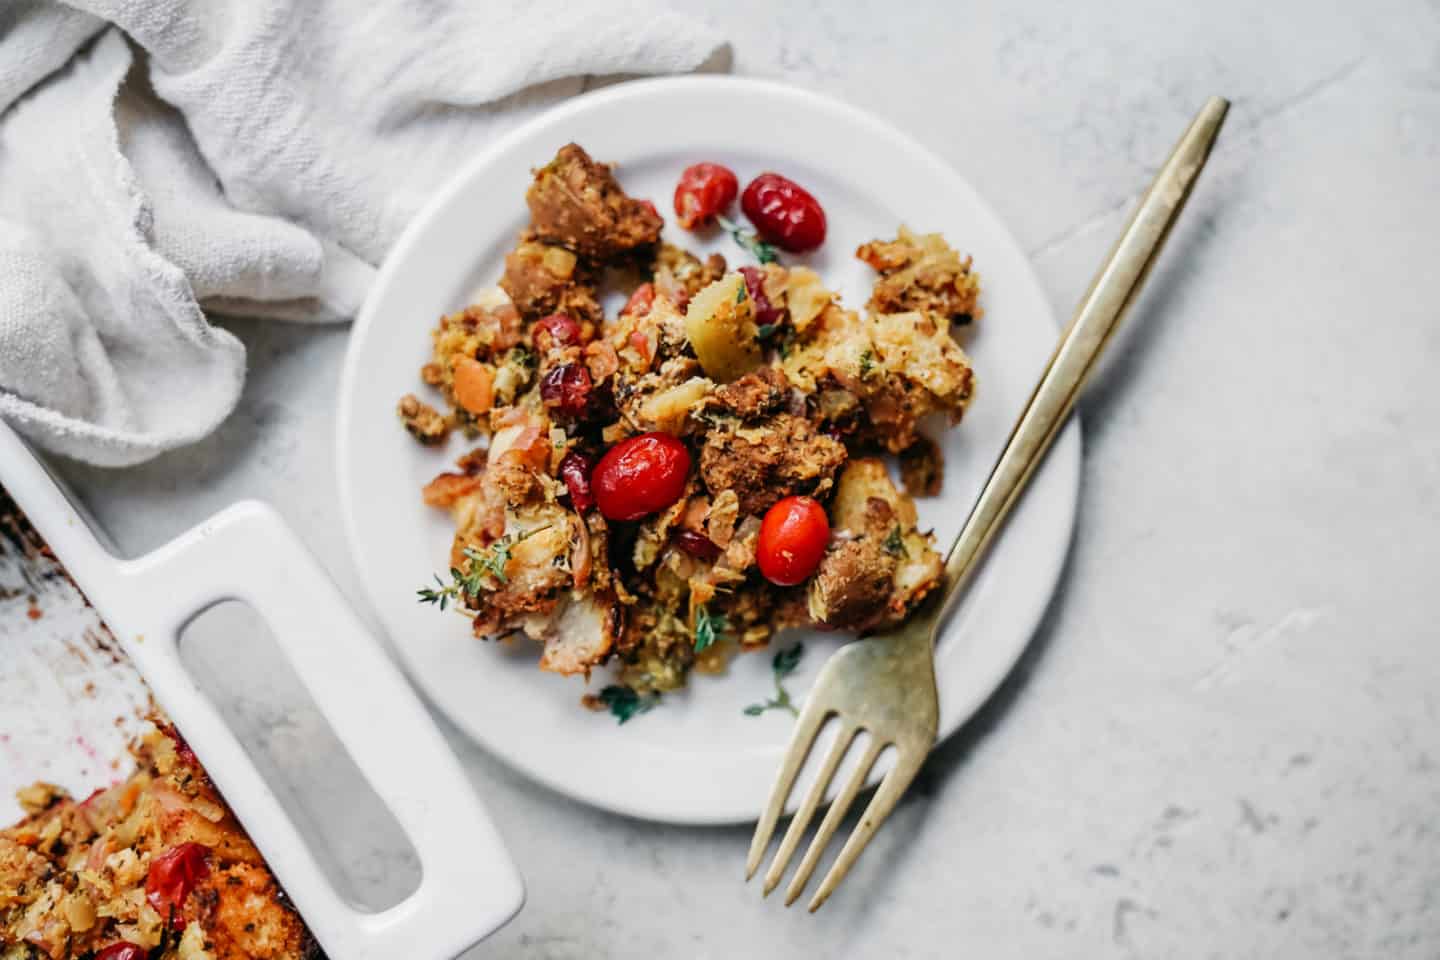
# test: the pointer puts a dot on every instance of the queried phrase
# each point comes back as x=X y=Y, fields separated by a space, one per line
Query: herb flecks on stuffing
x=774 y=388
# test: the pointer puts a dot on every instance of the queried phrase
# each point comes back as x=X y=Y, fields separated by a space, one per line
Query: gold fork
x=885 y=684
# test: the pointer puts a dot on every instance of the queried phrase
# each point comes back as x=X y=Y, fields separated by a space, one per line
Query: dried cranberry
x=122 y=951
x=704 y=190
x=174 y=874
x=766 y=313
x=566 y=389
x=784 y=213
x=697 y=545
x=575 y=469
x=561 y=330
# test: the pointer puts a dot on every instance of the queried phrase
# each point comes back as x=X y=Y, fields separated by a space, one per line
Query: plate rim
x=1064 y=455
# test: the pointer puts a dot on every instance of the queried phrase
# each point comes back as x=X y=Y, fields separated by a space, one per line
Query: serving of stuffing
x=153 y=868
x=658 y=489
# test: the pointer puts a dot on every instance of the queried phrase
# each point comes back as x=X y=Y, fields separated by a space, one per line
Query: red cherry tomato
x=174 y=874
x=575 y=469
x=793 y=536
x=784 y=213
x=562 y=330
x=122 y=951
x=640 y=476
x=704 y=190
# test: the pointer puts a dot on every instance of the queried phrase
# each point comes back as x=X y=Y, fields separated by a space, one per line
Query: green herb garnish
x=895 y=543
x=708 y=627
x=522 y=357
x=782 y=666
x=489 y=562
x=867 y=363
x=749 y=241
x=740 y=293
x=625 y=703
x=767 y=330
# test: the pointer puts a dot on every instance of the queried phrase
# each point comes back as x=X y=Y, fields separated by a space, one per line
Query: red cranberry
x=122 y=951
x=575 y=469
x=174 y=874
x=704 y=190
x=766 y=313
x=784 y=213
x=566 y=389
x=641 y=476
x=697 y=545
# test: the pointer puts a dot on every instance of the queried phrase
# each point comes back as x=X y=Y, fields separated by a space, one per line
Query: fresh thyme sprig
x=782 y=666
x=749 y=241
x=708 y=627
x=895 y=543
x=624 y=703
x=485 y=564
x=867 y=363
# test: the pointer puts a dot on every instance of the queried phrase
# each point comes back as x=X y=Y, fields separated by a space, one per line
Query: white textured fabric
x=164 y=158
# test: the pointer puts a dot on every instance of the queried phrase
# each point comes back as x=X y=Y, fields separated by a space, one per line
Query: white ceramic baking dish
x=469 y=886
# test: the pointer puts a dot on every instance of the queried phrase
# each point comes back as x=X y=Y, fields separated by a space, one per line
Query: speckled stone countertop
x=1225 y=738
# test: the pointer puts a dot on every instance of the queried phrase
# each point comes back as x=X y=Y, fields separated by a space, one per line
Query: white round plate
x=697 y=758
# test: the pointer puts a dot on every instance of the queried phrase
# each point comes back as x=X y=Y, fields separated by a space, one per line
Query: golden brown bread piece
x=542 y=279
x=921 y=272
x=922 y=468
x=769 y=460
x=424 y=422
x=757 y=394
x=874 y=531
x=577 y=203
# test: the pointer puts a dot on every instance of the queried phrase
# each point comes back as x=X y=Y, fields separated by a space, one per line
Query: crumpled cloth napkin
x=160 y=159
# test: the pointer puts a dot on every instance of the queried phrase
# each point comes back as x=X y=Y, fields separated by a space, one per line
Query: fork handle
x=1110 y=295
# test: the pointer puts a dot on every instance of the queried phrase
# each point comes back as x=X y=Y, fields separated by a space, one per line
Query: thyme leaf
x=895 y=543
x=781 y=667
x=488 y=563
x=749 y=241
x=708 y=627
x=625 y=704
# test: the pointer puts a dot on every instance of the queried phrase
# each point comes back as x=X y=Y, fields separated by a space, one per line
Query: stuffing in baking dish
x=154 y=868
x=659 y=488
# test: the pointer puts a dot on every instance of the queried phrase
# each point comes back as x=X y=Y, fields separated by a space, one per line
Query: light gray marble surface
x=1224 y=741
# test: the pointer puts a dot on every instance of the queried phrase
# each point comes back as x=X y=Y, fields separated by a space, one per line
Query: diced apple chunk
x=720 y=323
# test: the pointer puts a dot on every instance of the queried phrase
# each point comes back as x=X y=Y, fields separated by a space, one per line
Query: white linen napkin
x=164 y=158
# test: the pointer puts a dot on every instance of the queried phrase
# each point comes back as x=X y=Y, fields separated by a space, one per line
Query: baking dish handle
x=469 y=886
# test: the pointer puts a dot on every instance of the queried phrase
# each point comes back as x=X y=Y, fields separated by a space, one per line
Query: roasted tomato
x=174 y=874
x=558 y=329
x=793 y=536
x=640 y=476
x=575 y=470
x=641 y=300
x=784 y=213
x=122 y=951
x=704 y=190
